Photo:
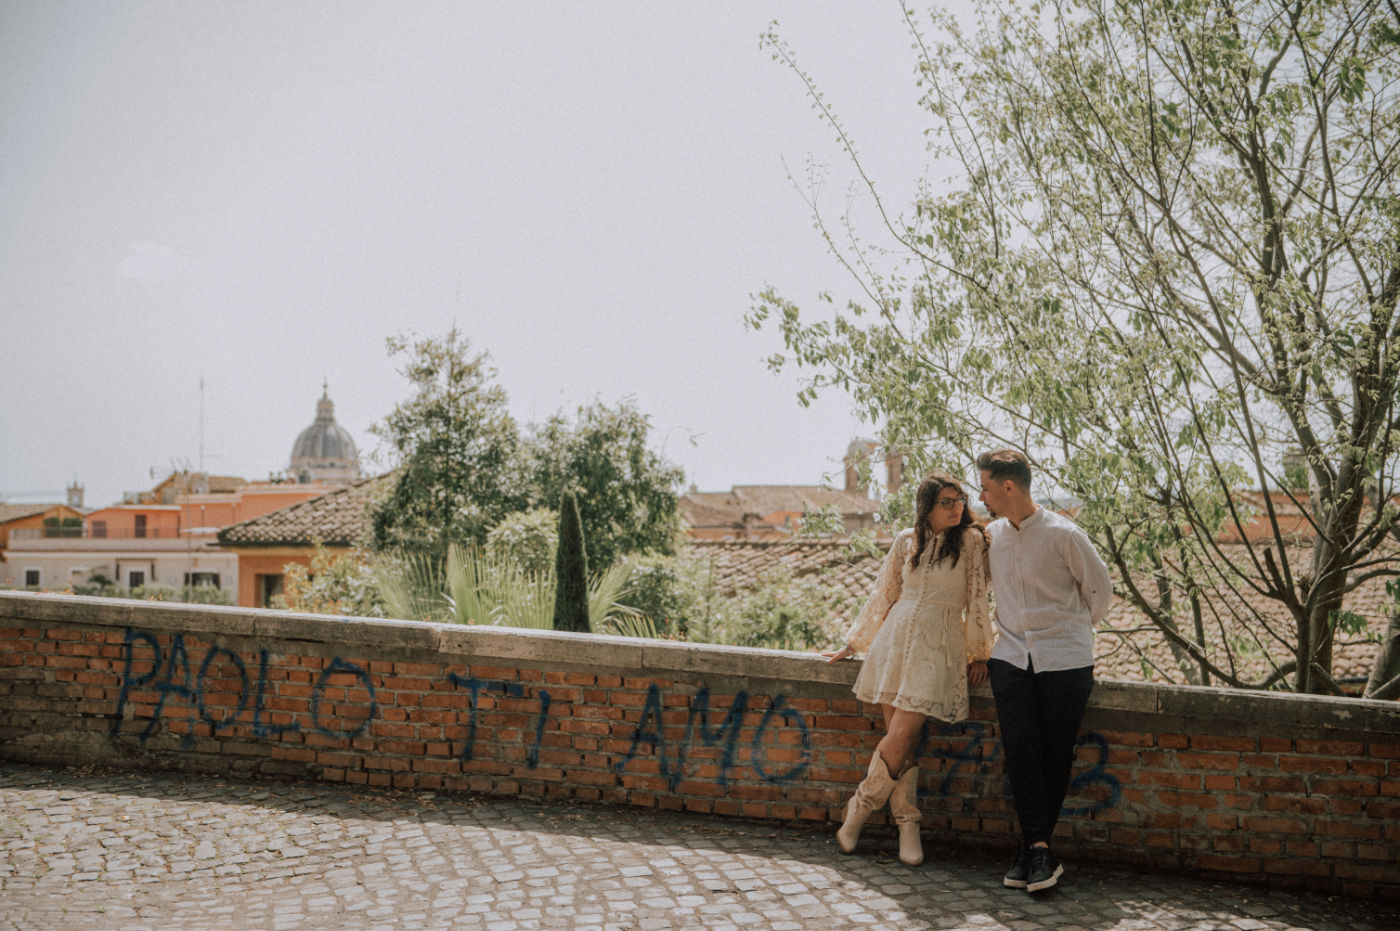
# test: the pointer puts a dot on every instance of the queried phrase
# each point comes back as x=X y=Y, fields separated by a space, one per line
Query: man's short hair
x=1002 y=464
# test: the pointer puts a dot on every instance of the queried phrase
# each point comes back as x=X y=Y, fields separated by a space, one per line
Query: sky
x=254 y=196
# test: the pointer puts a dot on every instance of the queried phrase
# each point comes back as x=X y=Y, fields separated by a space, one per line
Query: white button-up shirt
x=1051 y=589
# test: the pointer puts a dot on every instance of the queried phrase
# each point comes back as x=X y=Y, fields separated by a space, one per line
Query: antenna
x=201 y=423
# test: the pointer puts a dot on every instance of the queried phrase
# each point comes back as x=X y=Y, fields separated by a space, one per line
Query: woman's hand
x=833 y=656
x=977 y=672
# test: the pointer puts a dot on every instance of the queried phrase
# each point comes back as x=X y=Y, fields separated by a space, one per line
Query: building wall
x=119 y=521
x=250 y=501
x=255 y=564
x=34 y=522
x=1256 y=788
x=78 y=560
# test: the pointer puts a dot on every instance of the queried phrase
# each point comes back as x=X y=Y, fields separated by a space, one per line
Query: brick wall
x=1263 y=788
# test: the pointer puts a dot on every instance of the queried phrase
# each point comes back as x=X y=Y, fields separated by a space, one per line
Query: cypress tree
x=571 y=570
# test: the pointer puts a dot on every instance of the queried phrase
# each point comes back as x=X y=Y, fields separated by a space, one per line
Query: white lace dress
x=922 y=626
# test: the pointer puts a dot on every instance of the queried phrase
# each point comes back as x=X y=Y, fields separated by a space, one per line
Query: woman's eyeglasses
x=951 y=504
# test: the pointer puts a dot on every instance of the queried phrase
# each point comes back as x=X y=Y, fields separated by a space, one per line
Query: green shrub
x=527 y=537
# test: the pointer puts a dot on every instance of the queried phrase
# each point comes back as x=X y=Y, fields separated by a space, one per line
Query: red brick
x=1343 y=787
x=1312 y=764
x=586 y=777
x=1212 y=742
x=1310 y=806
x=1337 y=850
x=1194 y=800
x=1383 y=873
x=1332 y=747
x=1227 y=864
x=1297 y=867
x=1126 y=738
x=1266 y=824
x=1173 y=740
x=1375 y=852
x=1379 y=809
x=1300 y=849
x=841 y=722
x=1174 y=780
x=1209 y=761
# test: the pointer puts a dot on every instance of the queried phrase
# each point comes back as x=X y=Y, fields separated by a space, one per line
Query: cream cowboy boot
x=904 y=805
x=872 y=792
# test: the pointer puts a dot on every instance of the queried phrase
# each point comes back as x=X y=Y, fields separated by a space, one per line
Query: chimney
x=1296 y=475
x=894 y=471
x=859 y=451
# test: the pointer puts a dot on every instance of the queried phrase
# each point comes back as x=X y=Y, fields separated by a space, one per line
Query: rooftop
x=337 y=518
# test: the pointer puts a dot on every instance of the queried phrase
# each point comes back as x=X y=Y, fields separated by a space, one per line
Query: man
x=1051 y=590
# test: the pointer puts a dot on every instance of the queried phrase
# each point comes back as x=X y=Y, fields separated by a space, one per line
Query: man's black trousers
x=1039 y=714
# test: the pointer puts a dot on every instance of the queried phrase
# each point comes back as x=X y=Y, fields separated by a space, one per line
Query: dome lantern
x=325 y=451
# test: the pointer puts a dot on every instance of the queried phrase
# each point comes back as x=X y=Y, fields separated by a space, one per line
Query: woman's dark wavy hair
x=924 y=500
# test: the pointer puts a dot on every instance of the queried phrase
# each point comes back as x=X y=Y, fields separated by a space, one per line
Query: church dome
x=325 y=451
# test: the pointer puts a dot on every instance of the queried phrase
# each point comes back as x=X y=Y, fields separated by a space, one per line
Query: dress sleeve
x=888 y=583
x=980 y=632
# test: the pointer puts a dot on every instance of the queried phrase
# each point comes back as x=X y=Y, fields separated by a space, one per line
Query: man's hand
x=977 y=672
x=833 y=656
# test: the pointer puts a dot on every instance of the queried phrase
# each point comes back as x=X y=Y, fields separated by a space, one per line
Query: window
x=99 y=528
x=196 y=579
x=140 y=525
x=269 y=587
x=31 y=578
x=135 y=578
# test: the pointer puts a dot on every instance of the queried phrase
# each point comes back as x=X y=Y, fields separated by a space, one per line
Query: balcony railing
x=87 y=533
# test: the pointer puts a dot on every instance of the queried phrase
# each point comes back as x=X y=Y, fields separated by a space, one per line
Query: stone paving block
x=172 y=851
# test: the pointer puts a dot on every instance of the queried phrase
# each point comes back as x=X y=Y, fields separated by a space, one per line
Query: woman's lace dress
x=922 y=626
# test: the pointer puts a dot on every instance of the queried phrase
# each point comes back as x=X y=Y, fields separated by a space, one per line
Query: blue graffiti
x=170 y=674
x=968 y=757
x=338 y=665
x=218 y=724
x=651 y=730
x=260 y=727
x=791 y=718
x=1096 y=775
x=508 y=689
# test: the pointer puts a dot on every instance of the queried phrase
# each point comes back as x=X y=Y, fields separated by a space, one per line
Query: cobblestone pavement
x=97 y=851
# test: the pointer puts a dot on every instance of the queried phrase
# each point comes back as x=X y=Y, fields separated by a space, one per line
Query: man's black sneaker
x=1045 y=870
x=1016 y=877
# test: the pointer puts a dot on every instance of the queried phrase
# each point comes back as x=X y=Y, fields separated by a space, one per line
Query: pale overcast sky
x=257 y=194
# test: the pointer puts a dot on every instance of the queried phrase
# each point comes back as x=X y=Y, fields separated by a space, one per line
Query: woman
x=926 y=634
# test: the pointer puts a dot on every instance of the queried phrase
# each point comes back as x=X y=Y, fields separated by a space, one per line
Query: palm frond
x=412 y=588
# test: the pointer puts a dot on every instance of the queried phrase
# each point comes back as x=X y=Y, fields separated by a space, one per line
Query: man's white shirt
x=1051 y=590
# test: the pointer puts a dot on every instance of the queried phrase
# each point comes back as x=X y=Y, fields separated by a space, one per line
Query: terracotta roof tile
x=9 y=512
x=337 y=518
x=739 y=564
